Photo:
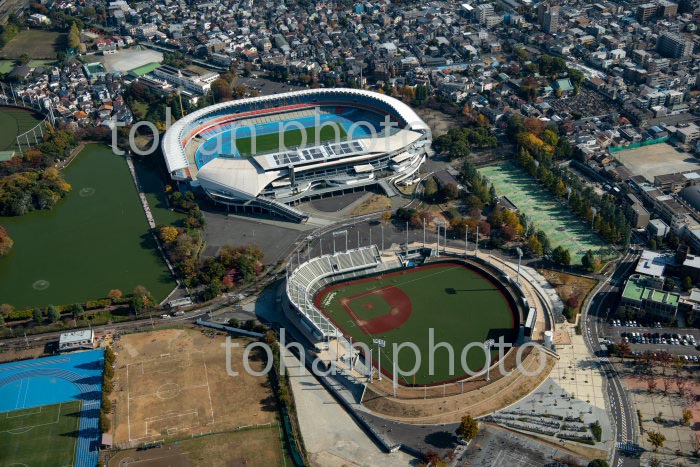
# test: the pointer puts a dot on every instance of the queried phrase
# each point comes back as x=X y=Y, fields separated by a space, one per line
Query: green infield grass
x=44 y=436
x=291 y=138
x=461 y=304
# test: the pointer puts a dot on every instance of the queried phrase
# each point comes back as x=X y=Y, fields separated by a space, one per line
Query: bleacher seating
x=312 y=276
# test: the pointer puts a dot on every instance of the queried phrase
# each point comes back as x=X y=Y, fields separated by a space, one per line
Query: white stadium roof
x=174 y=152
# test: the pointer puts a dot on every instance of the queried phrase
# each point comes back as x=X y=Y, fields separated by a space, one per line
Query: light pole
x=380 y=343
x=382 y=229
x=466 y=240
x=424 y=232
x=336 y=234
x=520 y=256
x=476 y=242
x=487 y=347
x=407 y=236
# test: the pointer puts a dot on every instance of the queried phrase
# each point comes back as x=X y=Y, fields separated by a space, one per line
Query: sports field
x=461 y=304
x=175 y=384
x=14 y=121
x=40 y=437
x=290 y=138
x=95 y=240
x=561 y=226
x=49 y=410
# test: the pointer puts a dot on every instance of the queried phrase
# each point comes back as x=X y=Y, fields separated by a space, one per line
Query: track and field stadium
x=362 y=296
x=269 y=153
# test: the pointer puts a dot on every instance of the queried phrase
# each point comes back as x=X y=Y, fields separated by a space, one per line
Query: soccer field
x=291 y=138
x=43 y=436
x=461 y=304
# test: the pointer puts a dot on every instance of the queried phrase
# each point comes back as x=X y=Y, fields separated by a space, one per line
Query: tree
x=221 y=90
x=6 y=242
x=654 y=462
x=687 y=417
x=6 y=309
x=669 y=284
x=687 y=283
x=53 y=314
x=168 y=233
x=561 y=256
x=74 y=36
x=656 y=439
x=588 y=260
x=623 y=349
x=114 y=295
x=468 y=428
x=105 y=424
x=534 y=246
x=2 y=322
x=431 y=189
x=598 y=463
x=37 y=317
x=77 y=310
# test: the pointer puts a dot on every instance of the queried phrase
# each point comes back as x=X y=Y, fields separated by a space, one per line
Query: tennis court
x=554 y=217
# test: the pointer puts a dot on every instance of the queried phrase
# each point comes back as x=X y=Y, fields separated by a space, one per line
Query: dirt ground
x=568 y=285
x=375 y=203
x=172 y=383
x=438 y=122
x=256 y=448
x=657 y=159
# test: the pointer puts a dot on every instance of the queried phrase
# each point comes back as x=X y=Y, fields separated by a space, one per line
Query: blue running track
x=45 y=381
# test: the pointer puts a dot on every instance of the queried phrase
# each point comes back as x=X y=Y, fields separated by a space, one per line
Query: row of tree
x=107 y=388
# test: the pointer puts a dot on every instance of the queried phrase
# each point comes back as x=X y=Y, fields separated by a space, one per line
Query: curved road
x=595 y=313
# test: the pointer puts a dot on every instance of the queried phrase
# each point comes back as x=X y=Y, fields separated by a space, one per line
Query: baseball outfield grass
x=462 y=305
x=43 y=436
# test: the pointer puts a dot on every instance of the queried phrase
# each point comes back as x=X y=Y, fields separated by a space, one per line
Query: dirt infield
x=399 y=310
x=173 y=383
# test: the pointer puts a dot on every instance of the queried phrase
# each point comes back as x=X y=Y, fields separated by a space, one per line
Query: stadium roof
x=174 y=152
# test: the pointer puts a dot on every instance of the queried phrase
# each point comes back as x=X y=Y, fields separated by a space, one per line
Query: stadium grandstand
x=272 y=152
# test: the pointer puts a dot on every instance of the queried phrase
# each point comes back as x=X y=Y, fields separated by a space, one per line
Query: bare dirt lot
x=656 y=159
x=570 y=285
x=172 y=383
x=129 y=59
x=260 y=447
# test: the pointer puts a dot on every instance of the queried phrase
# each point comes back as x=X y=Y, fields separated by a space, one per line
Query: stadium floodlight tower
x=338 y=233
x=380 y=343
x=520 y=257
x=487 y=348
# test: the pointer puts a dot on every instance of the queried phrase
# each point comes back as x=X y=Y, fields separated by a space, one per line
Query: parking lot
x=655 y=338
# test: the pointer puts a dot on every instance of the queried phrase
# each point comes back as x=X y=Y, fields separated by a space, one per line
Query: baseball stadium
x=269 y=153
x=362 y=296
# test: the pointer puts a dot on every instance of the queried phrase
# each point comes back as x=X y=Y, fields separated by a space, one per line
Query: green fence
x=640 y=144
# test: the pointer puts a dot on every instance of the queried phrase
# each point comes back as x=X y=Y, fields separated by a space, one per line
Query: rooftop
x=636 y=289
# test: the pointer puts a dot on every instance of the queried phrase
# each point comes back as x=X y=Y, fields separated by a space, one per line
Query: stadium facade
x=343 y=139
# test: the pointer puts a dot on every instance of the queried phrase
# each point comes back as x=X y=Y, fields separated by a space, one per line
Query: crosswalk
x=626 y=447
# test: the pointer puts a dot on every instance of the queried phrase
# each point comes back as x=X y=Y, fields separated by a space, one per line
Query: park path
x=151 y=223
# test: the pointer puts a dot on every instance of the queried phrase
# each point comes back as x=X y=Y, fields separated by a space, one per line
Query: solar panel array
x=332 y=151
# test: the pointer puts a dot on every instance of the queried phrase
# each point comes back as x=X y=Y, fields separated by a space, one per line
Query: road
x=595 y=312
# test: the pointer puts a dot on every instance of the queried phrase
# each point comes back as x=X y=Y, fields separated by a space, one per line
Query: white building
x=75 y=340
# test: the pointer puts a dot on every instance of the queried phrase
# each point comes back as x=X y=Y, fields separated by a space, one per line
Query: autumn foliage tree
x=6 y=242
x=168 y=233
x=468 y=428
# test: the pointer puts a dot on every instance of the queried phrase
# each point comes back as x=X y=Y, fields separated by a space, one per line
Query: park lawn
x=94 y=240
x=43 y=436
x=291 y=138
x=13 y=122
x=36 y=43
x=461 y=305
x=149 y=173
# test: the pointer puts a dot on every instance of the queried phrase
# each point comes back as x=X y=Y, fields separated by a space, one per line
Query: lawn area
x=6 y=66
x=148 y=173
x=561 y=226
x=95 y=240
x=36 y=43
x=292 y=138
x=14 y=121
x=43 y=436
x=460 y=304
